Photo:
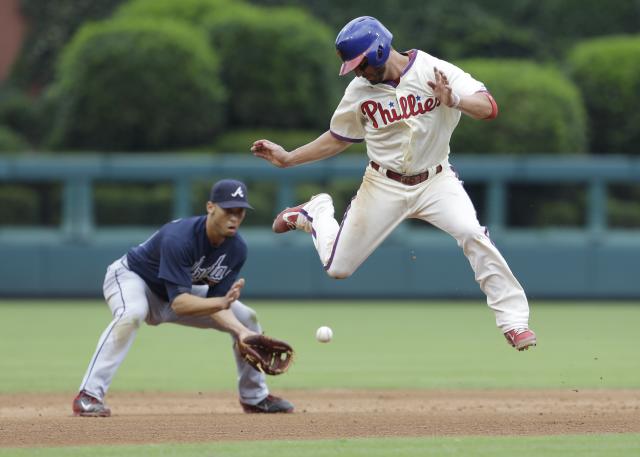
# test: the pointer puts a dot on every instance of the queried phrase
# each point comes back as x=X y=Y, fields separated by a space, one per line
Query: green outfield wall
x=588 y=260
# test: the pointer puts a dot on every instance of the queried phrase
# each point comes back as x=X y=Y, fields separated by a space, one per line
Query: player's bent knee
x=337 y=273
x=470 y=234
x=131 y=318
x=245 y=314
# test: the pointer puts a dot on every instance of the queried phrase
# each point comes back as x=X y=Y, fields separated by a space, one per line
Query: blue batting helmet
x=363 y=37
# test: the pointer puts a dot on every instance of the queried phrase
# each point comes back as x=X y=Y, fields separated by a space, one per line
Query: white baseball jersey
x=406 y=128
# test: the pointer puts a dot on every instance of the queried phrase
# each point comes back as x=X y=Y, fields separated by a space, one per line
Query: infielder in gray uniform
x=185 y=273
x=405 y=106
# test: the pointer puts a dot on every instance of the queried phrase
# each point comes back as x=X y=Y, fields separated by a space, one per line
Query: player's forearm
x=323 y=147
x=192 y=305
x=479 y=106
x=228 y=322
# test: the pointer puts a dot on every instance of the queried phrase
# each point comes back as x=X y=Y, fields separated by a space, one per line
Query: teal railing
x=593 y=254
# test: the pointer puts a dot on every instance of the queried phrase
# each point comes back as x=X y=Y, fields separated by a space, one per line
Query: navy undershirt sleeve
x=174 y=290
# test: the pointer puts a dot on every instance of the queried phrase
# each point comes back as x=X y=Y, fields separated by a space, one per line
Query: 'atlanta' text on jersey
x=210 y=275
x=410 y=106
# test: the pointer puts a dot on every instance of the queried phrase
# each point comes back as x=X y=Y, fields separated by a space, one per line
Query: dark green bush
x=280 y=67
x=540 y=206
x=137 y=85
x=192 y=11
x=623 y=208
x=133 y=204
x=607 y=71
x=556 y=25
x=11 y=142
x=534 y=29
x=51 y=25
x=30 y=204
x=540 y=111
x=19 y=205
x=22 y=114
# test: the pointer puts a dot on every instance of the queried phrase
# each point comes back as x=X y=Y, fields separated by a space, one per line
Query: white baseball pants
x=381 y=204
x=132 y=302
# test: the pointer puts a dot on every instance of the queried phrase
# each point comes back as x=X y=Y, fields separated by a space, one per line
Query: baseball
x=324 y=334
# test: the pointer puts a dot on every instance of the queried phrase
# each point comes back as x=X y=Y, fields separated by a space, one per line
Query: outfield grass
x=554 y=446
x=46 y=346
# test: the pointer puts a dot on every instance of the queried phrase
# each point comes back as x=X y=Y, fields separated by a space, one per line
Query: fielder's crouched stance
x=187 y=273
x=405 y=106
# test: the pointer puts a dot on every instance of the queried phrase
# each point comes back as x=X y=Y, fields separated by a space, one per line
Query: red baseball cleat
x=521 y=338
x=287 y=219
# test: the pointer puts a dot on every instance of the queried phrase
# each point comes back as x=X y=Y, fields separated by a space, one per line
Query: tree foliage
x=137 y=85
x=51 y=26
x=192 y=11
x=540 y=29
x=607 y=70
x=280 y=72
x=540 y=111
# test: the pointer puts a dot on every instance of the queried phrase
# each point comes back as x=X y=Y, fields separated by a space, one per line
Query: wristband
x=456 y=100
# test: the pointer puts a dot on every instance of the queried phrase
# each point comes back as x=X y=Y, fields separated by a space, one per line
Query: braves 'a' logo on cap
x=238 y=192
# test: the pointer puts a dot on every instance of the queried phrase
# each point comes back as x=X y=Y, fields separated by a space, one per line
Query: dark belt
x=404 y=179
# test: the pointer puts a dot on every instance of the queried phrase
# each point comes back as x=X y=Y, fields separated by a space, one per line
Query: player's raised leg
x=457 y=216
x=378 y=207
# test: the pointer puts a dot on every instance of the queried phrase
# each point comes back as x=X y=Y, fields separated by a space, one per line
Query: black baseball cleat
x=270 y=405
x=87 y=406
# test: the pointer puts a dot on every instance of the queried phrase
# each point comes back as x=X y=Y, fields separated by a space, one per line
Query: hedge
x=51 y=25
x=22 y=114
x=607 y=71
x=19 y=205
x=136 y=85
x=30 y=204
x=623 y=206
x=279 y=64
x=193 y=11
x=280 y=67
x=12 y=142
x=540 y=111
x=133 y=204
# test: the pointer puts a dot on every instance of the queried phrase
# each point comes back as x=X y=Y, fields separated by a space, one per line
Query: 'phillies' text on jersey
x=411 y=106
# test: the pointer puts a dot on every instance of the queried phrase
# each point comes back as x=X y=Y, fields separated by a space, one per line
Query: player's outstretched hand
x=441 y=88
x=234 y=292
x=271 y=152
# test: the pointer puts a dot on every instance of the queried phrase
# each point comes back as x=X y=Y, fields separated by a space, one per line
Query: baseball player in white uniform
x=405 y=106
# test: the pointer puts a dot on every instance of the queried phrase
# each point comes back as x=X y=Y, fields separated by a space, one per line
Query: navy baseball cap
x=230 y=193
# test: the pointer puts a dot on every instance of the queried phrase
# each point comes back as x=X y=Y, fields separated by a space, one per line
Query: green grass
x=555 y=446
x=46 y=346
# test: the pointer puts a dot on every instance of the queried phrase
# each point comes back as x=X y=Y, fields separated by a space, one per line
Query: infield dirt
x=31 y=420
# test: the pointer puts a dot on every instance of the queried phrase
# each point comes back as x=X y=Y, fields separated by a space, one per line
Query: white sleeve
x=347 y=122
x=460 y=81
